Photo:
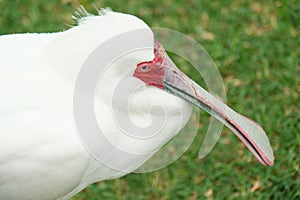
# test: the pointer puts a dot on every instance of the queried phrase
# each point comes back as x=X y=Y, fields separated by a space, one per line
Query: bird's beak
x=248 y=131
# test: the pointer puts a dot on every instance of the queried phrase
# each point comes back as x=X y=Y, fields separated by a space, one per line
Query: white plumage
x=41 y=154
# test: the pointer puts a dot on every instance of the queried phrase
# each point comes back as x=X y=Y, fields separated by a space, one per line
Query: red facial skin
x=153 y=72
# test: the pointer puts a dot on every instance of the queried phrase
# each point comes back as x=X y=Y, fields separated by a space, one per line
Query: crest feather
x=81 y=14
x=104 y=11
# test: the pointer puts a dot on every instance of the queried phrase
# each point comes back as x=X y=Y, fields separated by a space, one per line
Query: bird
x=43 y=152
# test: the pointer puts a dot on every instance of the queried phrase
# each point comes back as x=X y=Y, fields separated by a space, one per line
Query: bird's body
x=42 y=155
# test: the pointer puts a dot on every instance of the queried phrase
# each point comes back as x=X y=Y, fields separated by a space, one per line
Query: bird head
x=163 y=74
x=162 y=84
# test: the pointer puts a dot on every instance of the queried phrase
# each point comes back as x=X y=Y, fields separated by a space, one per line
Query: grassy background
x=256 y=47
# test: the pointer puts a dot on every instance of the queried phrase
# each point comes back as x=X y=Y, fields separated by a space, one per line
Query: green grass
x=256 y=47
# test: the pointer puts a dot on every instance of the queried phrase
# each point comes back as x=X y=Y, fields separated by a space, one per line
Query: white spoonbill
x=41 y=153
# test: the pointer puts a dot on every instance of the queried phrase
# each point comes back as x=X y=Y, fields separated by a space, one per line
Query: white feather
x=41 y=155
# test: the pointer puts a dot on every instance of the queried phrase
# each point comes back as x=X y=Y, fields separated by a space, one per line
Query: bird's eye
x=144 y=68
